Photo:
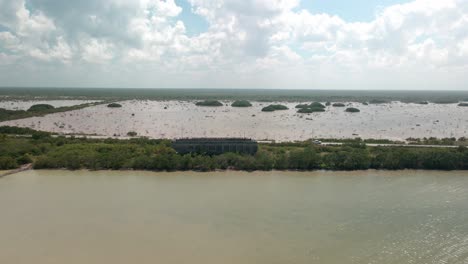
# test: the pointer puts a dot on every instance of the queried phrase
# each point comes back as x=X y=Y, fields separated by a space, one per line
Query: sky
x=284 y=44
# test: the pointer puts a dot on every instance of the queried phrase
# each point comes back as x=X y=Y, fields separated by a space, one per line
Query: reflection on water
x=229 y=217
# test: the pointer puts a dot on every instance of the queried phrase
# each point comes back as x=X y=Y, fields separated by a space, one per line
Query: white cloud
x=97 y=51
x=244 y=38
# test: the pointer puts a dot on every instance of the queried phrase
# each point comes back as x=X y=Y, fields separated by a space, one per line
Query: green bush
x=209 y=103
x=40 y=107
x=463 y=104
x=299 y=106
x=310 y=110
x=352 y=110
x=25 y=159
x=272 y=108
x=114 y=105
x=339 y=105
x=18 y=130
x=316 y=105
x=132 y=134
x=241 y=103
x=7 y=163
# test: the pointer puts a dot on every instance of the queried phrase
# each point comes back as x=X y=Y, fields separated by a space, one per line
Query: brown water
x=229 y=217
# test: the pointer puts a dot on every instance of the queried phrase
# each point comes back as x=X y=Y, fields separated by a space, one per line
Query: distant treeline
x=39 y=110
x=48 y=152
x=238 y=94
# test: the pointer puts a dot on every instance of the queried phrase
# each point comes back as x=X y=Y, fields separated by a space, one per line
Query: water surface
x=232 y=217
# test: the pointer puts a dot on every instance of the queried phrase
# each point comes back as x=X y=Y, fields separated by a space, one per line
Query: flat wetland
x=228 y=217
x=178 y=119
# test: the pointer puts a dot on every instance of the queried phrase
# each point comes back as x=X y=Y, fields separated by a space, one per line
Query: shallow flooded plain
x=178 y=119
x=234 y=217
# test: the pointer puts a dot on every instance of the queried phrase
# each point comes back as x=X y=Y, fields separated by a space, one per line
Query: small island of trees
x=312 y=108
x=352 y=110
x=463 y=104
x=300 y=106
x=338 y=105
x=40 y=107
x=209 y=103
x=309 y=110
x=241 y=103
x=272 y=108
x=114 y=105
x=132 y=134
x=316 y=104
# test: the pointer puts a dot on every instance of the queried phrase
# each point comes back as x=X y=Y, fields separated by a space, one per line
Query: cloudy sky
x=290 y=44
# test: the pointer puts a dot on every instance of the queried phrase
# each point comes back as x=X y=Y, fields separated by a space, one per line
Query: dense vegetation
x=38 y=110
x=114 y=105
x=49 y=152
x=309 y=110
x=132 y=134
x=338 y=105
x=209 y=103
x=462 y=141
x=274 y=107
x=316 y=105
x=300 y=106
x=40 y=107
x=463 y=104
x=241 y=103
x=352 y=110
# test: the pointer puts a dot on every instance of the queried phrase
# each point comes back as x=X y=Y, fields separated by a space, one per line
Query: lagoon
x=234 y=217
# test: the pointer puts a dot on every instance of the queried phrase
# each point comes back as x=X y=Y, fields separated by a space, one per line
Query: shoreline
x=23 y=168
x=17 y=171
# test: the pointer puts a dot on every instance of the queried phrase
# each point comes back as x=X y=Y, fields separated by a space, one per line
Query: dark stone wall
x=215 y=146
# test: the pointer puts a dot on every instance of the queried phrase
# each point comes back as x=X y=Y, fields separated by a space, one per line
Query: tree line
x=47 y=152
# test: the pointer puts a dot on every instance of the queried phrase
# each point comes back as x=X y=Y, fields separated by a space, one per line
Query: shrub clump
x=40 y=107
x=378 y=101
x=352 y=110
x=300 y=106
x=423 y=103
x=272 y=108
x=338 y=105
x=209 y=103
x=463 y=104
x=316 y=105
x=310 y=110
x=114 y=105
x=132 y=134
x=241 y=103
